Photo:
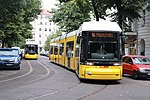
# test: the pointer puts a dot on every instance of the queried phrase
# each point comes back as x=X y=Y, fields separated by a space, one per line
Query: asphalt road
x=42 y=80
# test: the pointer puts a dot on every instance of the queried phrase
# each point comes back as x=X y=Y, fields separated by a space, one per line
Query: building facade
x=142 y=28
x=42 y=28
x=130 y=43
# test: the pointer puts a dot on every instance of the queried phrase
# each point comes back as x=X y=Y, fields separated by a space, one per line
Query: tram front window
x=103 y=50
x=103 y=46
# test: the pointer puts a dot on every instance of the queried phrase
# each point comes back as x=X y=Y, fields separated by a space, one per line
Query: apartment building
x=142 y=28
x=42 y=28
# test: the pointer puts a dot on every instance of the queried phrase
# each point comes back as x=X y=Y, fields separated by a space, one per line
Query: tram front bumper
x=103 y=73
x=29 y=56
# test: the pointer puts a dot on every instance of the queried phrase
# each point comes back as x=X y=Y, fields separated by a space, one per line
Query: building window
x=40 y=29
x=49 y=29
x=40 y=23
x=45 y=23
x=39 y=42
x=132 y=49
x=39 y=35
x=40 y=49
x=45 y=29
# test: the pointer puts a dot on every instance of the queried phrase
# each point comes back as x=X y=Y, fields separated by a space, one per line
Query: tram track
x=25 y=77
x=14 y=78
x=93 y=93
x=54 y=92
x=70 y=88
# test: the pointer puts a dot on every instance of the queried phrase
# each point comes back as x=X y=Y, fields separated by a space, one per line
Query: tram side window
x=51 y=49
x=61 y=49
x=77 y=50
x=56 y=50
x=69 y=50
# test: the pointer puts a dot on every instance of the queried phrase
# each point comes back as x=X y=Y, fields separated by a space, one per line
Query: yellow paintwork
x=61 y=60
x=110 y=73
x=29 y=56
x=95 y=72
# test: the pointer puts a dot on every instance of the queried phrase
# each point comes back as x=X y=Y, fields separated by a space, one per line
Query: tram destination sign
x=102 y=35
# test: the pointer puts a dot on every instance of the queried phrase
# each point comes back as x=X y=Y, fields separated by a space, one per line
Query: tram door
x=56 y=53
x=69 y=53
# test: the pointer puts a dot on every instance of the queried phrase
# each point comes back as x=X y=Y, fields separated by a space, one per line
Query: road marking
x=51 y=93
x=7 y=73
x=20 y=75
x=44 y=75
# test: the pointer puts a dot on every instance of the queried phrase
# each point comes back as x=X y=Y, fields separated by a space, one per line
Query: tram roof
x=56 y=39
x=100 y=26
x=52 y=40
x=73 y=33
x=32 y=42
x=63 y=36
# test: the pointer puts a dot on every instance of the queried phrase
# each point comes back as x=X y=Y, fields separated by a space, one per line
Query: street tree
x=125 y=11
x=69 y=16
x=15 y=17
x=54 y=35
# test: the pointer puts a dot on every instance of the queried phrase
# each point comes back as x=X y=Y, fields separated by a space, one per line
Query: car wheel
x=18 y=68
x=135 y=75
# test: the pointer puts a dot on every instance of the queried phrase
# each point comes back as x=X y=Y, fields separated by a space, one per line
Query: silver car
x=10 y=58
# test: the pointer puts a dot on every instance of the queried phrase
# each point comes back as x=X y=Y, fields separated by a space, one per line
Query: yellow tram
x=31 y=51
x=93 y=51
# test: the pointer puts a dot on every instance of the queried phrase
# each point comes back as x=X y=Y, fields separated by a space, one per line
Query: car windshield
x=9 y=52
x=141 y=60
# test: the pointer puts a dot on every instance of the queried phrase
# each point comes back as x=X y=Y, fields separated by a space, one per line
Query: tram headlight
x=88 y=72
x=90 y=63
x=117 y=64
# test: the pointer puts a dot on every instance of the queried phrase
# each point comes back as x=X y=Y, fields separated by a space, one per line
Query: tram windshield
x=103 y=46
x=31 y=49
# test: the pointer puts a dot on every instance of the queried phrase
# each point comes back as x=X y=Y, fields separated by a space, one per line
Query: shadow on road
x=102 y=82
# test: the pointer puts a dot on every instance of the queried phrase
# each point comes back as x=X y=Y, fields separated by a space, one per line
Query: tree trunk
x=3 y=44
x=120 y=24
x=95 y=10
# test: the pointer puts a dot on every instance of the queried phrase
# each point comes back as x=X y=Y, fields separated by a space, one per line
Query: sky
x=49 y=4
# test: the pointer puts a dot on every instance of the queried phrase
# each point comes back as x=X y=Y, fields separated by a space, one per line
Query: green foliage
x=47 y=42
x=126 y=10
x=69 y=16
x=58 y=33
x=15 y=18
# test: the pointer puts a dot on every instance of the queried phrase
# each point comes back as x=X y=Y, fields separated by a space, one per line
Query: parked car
x=10 y=58
x=44 y=53
x=136 y=65
x=20 y=52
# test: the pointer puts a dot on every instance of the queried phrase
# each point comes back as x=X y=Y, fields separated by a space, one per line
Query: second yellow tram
x=31 y=51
